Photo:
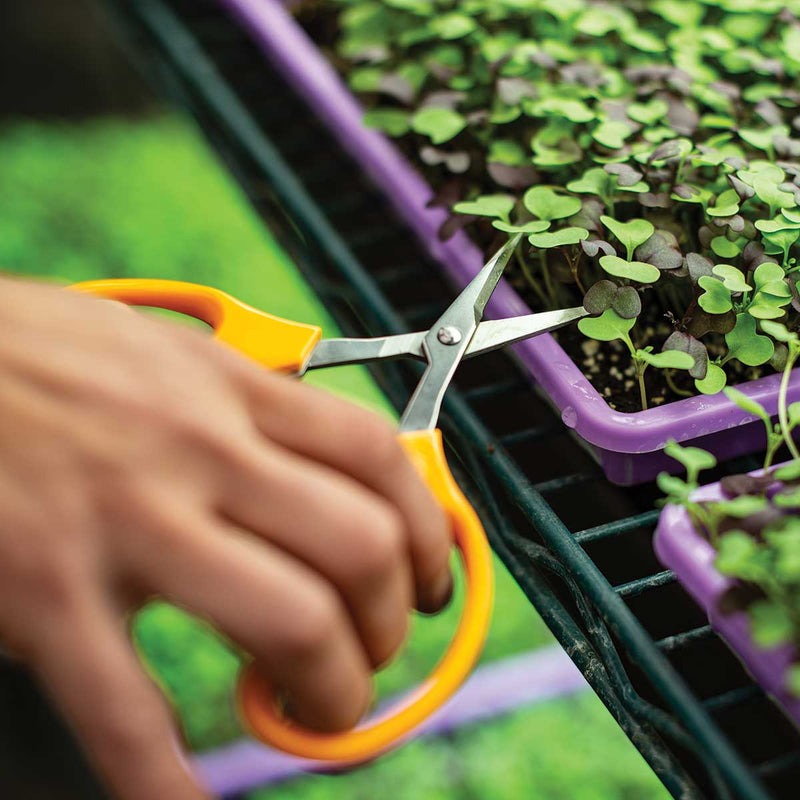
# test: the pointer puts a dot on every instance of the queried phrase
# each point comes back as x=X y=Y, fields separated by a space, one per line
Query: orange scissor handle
x=257 y=702
x=273 y=342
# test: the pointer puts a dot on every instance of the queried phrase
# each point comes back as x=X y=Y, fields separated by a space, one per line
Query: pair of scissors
x=295 y=348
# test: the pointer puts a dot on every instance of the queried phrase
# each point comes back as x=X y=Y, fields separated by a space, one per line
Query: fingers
x=338 y=528
x=349 y=439
x=289 y=618
x=91 y=670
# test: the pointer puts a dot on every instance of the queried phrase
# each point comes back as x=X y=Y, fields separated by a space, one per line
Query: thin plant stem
x=640 y=369
x=534 y=284
x=548 y=281
x=573 y=264
x=783 y=414
x=673 y=387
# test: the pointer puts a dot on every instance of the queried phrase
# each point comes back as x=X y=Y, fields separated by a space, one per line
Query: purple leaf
x=593 y=247
x=698 y=266
x=650 y=200
x=686 y=343
x=398 y=87
x=512 y=177
x=600 y=297
x=512 y=90
x=661 y=250
x=626 y=174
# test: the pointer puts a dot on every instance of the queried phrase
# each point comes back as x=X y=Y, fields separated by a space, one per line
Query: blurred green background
x=146 y=198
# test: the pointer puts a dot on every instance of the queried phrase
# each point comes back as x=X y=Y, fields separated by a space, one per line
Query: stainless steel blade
x=497 y=333
x=449 y=338
x=490 y=335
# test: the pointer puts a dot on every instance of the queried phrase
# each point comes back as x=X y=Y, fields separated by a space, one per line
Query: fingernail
x=440 y=594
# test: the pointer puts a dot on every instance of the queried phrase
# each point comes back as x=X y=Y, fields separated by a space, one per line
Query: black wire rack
x=579 y=547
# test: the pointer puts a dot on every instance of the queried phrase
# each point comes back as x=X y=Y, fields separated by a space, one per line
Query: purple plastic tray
x=681 y=548
x=627 y=446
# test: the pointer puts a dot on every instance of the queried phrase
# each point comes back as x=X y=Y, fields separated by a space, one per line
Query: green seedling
x=610 y=326
x=616 y=138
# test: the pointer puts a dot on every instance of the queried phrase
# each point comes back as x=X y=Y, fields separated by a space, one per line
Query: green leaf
x=452 y=26
x=772 y=292
x=778 y=331
x=594 y=181
x=438 y=124
x=733 y=279
x=676 y=489
x=780 y=241
x=725 y=248
x=726 y=206
x=505 y=151
x=648 y=113
x=780 y=223
x=770 y=623
x=747 y=404
x=735 y=552
x=746 y=344
x=788 y=472
x=534 y=226
x=669 y=359
x=769 y=193
x=573 y=110
x=612 y=134
x=393 y=121
x=630 y=234
x=769 y=274
x=765 y=309
x=638 y=271
x=607 y=327
x=693 y=459
x=714 y=381
x=545 y=204
x=763 y=139
x=746 y=505
x=716 y=298
x=488 y=205
x=561 y=238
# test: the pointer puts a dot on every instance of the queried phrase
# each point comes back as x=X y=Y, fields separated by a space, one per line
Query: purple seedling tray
x=691 y=557
x=629 y=447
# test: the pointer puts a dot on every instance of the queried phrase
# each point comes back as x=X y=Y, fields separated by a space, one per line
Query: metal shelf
x=579 y=547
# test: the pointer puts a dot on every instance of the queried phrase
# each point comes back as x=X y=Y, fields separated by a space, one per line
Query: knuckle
x=319 y=623
x=378 y=548
x=51 y=575
x=377 y=440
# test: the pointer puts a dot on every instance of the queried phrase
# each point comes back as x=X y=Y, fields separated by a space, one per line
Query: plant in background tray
x=650 y=152
x=755 y=525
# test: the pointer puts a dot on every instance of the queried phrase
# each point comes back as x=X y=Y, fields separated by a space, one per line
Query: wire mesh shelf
x=579 y=547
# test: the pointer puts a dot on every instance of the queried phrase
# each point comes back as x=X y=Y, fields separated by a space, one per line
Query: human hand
x=140 y=459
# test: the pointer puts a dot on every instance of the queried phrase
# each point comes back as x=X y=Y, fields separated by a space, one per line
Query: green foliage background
x=119 y=198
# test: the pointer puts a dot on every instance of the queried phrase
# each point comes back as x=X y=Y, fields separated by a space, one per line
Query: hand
x=140 y=458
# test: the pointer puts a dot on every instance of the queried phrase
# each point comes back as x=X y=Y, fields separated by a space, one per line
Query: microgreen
x=654 y=146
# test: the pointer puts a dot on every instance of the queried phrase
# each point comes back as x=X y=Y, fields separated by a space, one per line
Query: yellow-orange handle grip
x=257 y=702
x=273 y=342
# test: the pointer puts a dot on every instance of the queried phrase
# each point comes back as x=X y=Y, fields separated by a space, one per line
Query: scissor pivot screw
x=449 y=335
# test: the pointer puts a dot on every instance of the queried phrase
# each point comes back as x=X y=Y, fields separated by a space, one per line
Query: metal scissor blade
x=339 y=352
x=490 y=335
x=497 y=333
x=449 y=338
x=467 y=309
